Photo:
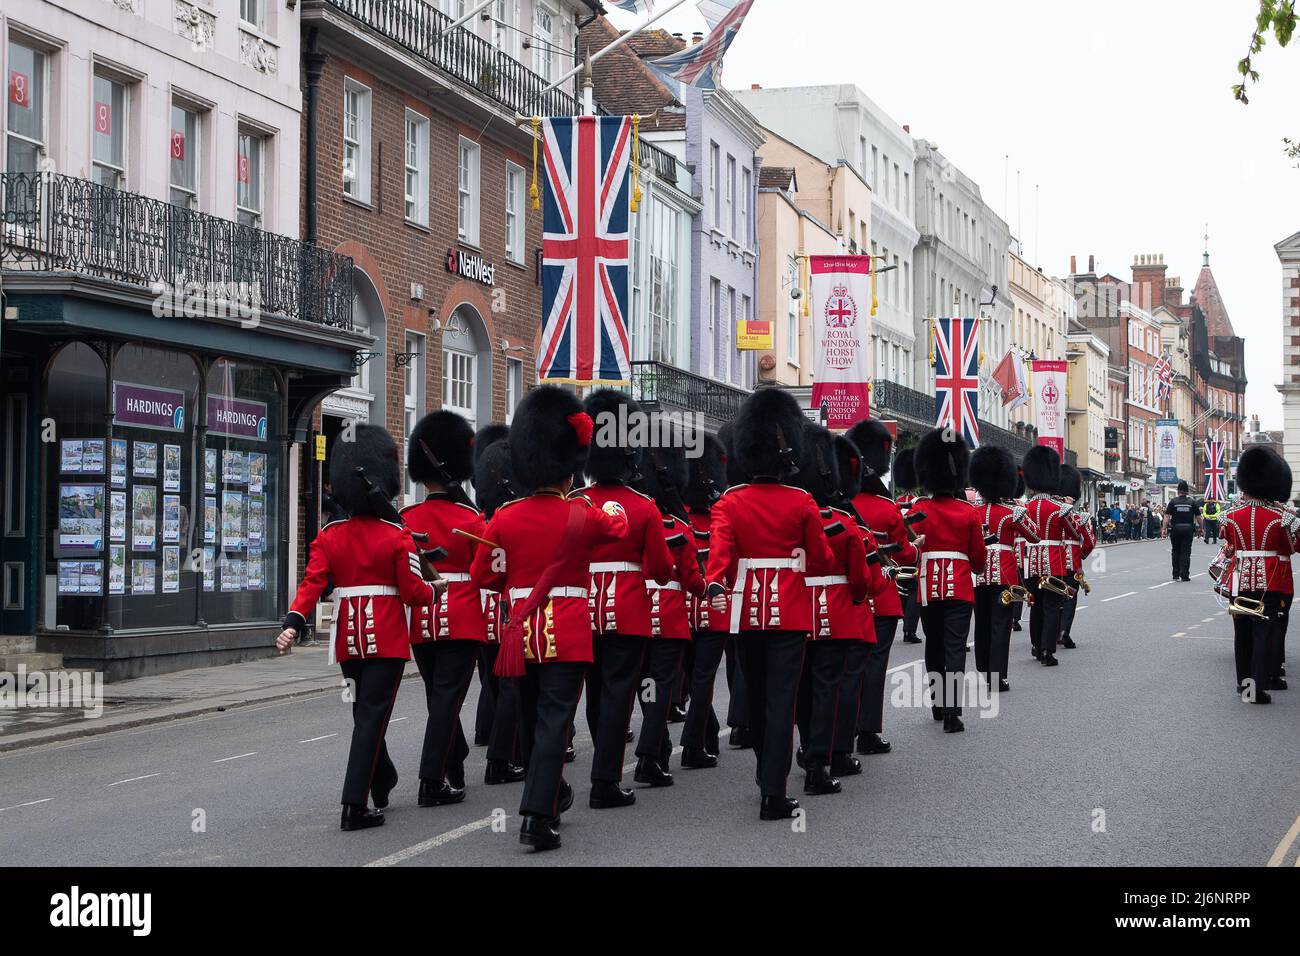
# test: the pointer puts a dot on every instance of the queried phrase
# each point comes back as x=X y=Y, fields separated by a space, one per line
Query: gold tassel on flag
x=807 y=287
x=932 y=343
x=532 y=191
x=871 y=267
x=636 y=161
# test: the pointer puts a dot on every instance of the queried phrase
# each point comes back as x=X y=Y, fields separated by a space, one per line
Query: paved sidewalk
x=147 y=700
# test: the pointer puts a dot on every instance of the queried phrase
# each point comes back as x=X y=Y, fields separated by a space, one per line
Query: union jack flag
x=1216 y=487
x=1164 y=372
x=585 y=250
x=633 y=6
x=957 y=377
x=701 y=64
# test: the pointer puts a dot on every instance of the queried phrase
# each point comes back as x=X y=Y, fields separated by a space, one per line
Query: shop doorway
x=19 y=562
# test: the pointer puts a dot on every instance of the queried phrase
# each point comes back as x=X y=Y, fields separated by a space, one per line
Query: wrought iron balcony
x=655 y=382
x=892 y=400
x=55 y=223
x=466 y=57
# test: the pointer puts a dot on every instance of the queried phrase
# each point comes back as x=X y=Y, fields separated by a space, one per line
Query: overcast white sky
x=1120 y=110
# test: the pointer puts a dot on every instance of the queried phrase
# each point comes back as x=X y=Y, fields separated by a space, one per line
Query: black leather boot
x=697 y=758
x=817 y=779
x=871 y=743
x=739 y=738
x=844 y=764
x=777 y=808
x=1049 y=660
x=610 y=796
x=456 y=777
x=437 y=794
x=649 y=771
x=952 y=724
x=380 y=791
x=502 y=771
x=541 y=833
x=360 y=818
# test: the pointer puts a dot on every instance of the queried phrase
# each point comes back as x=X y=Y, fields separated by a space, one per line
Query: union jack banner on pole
x=701 y=64
x=1164 y=371
x=957 y=377
x=1216 y=485
x=585 y=251
x=634 y=6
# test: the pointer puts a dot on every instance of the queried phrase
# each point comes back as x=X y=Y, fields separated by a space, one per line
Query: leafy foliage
x=1280 y=17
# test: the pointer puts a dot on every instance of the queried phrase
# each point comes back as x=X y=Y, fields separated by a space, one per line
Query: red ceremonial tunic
x=1001 y=566
x=703 y=616
x=883 y=515
x=1079 y=542
x=619 y=601
x=669 y=615
x=531 y=533
x=953 y=551
x=838 y=597
x=377 y=578
x=1262 y=545
x=1047 y=557
x=765 y=537
x=458 y=614
x=493 y=624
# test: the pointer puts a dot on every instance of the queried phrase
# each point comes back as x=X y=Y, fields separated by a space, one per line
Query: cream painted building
x=1089 y=358
x=1036 y=328
x=1288 y=254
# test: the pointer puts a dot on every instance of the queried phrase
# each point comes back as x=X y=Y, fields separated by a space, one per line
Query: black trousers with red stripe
x=772 y=662
x=946 y=625
x=663 y=668
x=701 y=727
x=548 y=699
x=447 y=668
x=992 y=632
x=612 y=684
x=374 y=682
x=871 y=711
x=824 y=665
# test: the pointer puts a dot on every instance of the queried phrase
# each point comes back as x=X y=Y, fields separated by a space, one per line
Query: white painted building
x=1288 y=253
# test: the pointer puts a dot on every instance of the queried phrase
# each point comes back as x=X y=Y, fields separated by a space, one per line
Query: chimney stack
x=907 y=129
x=1092 y=267
x=1074 y=268
x=755 y=86
x=697 y=38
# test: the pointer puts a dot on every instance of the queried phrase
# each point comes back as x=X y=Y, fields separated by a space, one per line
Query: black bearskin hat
x=848 y=462
x=1042 y=470
x=489 y=435
x=1020 y=483
x=610 y=457
x=1071 y=485
x=993 y=473
x=373 y=450
x=905 y=470
x=548 y=438
x=706 y=476
x=736 y=475
x=942 y=459
x=874 y=443
x=818 y=474
x=1264 y=474
x=769 y=433
x=494 y=482
x=450 y=438
x=663 y=472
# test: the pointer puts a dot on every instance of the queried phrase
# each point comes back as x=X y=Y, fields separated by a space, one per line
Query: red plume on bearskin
x=584 y=427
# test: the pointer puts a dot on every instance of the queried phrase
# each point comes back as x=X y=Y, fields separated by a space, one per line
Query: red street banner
x=841 y=305
x=1050 y=389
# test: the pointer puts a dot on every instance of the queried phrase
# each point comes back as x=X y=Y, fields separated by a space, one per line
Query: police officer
x=1182 y=517
x=1210 y=513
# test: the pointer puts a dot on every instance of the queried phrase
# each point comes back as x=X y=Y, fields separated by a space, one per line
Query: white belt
x=944 y=556
x=999 y=547
x=367 y=590
x=743 y=567
x=613 y=567
x=827 y=581
x=1035 y=544
x=1250 y=554
x=670 y=586
x=454 y=577
x=520 y=594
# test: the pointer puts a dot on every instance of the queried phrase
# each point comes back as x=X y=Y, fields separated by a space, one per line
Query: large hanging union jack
x=1216 y=488
x=1164 y=372
x=700 y=65
x=957 y=377
x=585 y=249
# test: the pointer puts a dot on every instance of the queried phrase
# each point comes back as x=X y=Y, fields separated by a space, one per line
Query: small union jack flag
x=1216 y=488
x=634 y=6
x=585 y=251
x=701 y=64
x=1164 y=372
x=957 y=377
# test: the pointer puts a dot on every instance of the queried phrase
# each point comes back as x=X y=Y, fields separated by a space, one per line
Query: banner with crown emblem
x=841 y=314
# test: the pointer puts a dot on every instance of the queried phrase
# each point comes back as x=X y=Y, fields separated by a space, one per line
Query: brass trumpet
x=1056 y=586
x=1247 y=607
x=1083 y=582
x=1016 y=593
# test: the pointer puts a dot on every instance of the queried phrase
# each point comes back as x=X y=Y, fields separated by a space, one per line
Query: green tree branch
x=1280 y=17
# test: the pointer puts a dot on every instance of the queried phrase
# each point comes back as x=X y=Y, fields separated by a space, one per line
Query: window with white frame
x=417 y=168
x=543 y=37
x=715 y=177
x=715 y=296
x=514 y=386
x=745 y=181
x=248 y=178
x=25 y=128
x=458 y=378
x=729 y=204
x=253 y=12
x=515 y=206
x=183 y=148
x=664 y=269
x=504 y=35
x=108 y=131
x=356 y=140
x=413 y=396
x=467 y=181
x=792 y=313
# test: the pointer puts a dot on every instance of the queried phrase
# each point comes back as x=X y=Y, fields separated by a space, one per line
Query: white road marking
x=1156 y=587
x=397 y=720
x=1117 y=597
x=1207 y=620
x=134 y=779
x=251 y=753
x=1202 y=637
x=1284 y=847
x=432 y=843
x=29 y=803
x=903 y=667
x=1201 y=575
x=1181 y=634
x=312 y=740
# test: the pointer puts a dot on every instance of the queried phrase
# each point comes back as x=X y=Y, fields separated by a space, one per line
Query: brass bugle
x=1015 y=593
x=1056 y=586
x=1247 y=607
x=1083 y=582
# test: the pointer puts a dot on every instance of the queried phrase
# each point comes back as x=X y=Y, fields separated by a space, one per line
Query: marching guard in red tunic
x=1079 y=542
x=884 y=524
x=619 y=601
x=1045 y=558
x=993 y=473
x=1261 y=535
x=378 y=579
x=766 y=536
x=953 y=550
x=1018 y=607
x=445 y=639
x=663 y=476
x=906 y=488
x=705 y=482
x=497 y=721
x=838 y=626
x=541 y=549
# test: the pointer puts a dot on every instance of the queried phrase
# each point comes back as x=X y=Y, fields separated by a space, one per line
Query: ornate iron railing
x=895 y=400
x=422 y=29
x=667 y=384
x=56 y=223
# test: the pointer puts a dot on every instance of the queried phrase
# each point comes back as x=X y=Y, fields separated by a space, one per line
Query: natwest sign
x=471 y=266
